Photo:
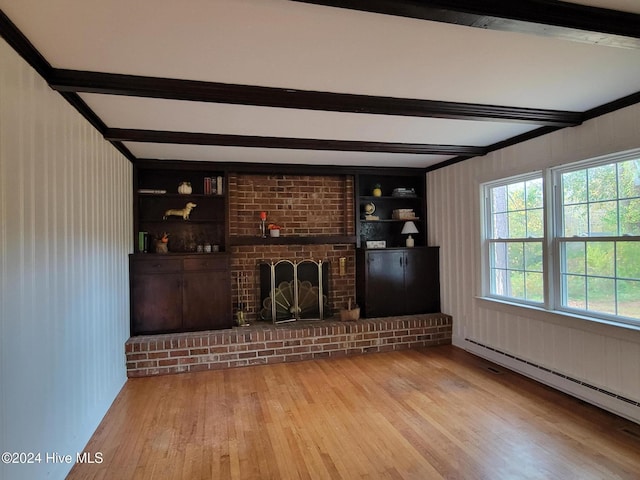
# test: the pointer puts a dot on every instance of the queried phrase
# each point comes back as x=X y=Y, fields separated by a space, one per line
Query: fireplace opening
x=291 y=290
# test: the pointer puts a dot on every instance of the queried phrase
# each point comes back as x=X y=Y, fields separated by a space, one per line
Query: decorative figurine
x=161 y=245
x=377 y=191
x=184 y=212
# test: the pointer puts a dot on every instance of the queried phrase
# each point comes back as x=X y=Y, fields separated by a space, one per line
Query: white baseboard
x=609 y=401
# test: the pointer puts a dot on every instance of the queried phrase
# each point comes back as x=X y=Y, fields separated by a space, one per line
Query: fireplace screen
x=291 y=291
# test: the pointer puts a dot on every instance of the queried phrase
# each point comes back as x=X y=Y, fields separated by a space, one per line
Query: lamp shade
x=409 y=227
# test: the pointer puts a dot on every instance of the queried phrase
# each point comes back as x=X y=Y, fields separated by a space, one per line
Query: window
x=515 y=227
x=598 y=225
x=591 y=242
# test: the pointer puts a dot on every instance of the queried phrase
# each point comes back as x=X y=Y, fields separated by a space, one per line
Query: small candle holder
x=263 y=224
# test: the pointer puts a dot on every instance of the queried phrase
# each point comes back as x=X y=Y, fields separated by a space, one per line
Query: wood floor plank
x=437 y=413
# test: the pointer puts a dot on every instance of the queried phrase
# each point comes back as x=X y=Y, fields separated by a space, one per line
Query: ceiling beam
x=570 y=21
x=21 y=44
x=199 y=91
x=191 y=138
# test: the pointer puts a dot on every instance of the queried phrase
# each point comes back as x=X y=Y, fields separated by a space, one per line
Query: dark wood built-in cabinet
x=188 y=287
x=171 y=293
x=398 y=281
x=394 y=279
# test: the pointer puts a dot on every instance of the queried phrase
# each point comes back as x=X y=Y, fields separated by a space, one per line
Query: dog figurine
x=184 y=212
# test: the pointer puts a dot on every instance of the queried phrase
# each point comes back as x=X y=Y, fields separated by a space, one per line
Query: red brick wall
x=266 y=343
x=302 y=205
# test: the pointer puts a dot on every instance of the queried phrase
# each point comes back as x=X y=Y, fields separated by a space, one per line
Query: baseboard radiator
x=605 y=399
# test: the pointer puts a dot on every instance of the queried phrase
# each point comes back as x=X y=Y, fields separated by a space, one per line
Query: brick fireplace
x=305 y=206
x=316 y=214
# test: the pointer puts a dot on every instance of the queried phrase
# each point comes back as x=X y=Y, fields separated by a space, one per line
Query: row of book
x=213 y=185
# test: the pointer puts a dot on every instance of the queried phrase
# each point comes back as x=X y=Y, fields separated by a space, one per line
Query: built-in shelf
x=293 y=240
x=176 y=254
x=370 y=198
x=179 y=195
x=391 y=220
x=181 y=221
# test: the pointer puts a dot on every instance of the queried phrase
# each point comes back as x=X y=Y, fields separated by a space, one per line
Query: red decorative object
x=263 y=215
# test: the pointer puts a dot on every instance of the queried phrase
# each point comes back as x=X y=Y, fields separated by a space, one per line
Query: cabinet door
x=207 y=293
x=206 y=301
x=385 y=283
x=422 y=282
x=156 y=302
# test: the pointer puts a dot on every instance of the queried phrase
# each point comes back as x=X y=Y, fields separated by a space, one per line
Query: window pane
x=603 y=218
x=575 y=220
x=630 y=217
x=533 y=257
x=534 y=193
x=499 y=199
x=601 y=259
x=500 y=226
x=575 y=287
x=629 y=179
x=516 y=284
x=603 y=183
x=575 y=257
x=628 y=260
x=601 y=295
x=534 y=284
x=574 y=187
x=535 y=223
x=517 y=224
x=499 y=282
x=515 y=256
x=515 y=196
x=629 y=298
x=499 y=255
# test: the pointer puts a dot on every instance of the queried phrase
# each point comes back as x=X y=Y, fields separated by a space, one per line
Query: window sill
x=610 y=328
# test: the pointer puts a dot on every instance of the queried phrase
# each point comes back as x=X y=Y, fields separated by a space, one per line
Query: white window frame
x=552 y=240
x=488 y=241
x=559 y=239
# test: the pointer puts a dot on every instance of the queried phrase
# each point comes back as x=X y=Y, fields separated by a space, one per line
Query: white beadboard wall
x=66 y=229
x=602 y=356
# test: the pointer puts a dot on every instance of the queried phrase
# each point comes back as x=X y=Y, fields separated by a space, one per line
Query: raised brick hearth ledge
x=264 y=343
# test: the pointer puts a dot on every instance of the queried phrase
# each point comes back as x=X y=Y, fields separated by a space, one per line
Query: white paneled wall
x=65 y=232
x=603 y=356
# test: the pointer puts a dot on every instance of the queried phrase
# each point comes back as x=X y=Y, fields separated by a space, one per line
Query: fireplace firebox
x=291 y=290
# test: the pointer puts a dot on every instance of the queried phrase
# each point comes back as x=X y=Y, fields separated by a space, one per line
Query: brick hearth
x=264 y=343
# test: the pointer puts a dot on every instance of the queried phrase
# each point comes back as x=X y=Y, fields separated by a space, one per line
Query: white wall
x=65 y=232
x=603 y=356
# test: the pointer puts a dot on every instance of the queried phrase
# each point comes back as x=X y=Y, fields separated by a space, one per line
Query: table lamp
x=409 y=228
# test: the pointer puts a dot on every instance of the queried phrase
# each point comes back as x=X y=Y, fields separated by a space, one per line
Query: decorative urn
x=185 y=188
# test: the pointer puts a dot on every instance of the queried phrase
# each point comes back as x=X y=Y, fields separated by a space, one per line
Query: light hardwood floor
x=426 y=414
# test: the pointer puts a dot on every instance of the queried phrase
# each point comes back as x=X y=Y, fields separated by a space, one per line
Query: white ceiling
x=284 y=44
